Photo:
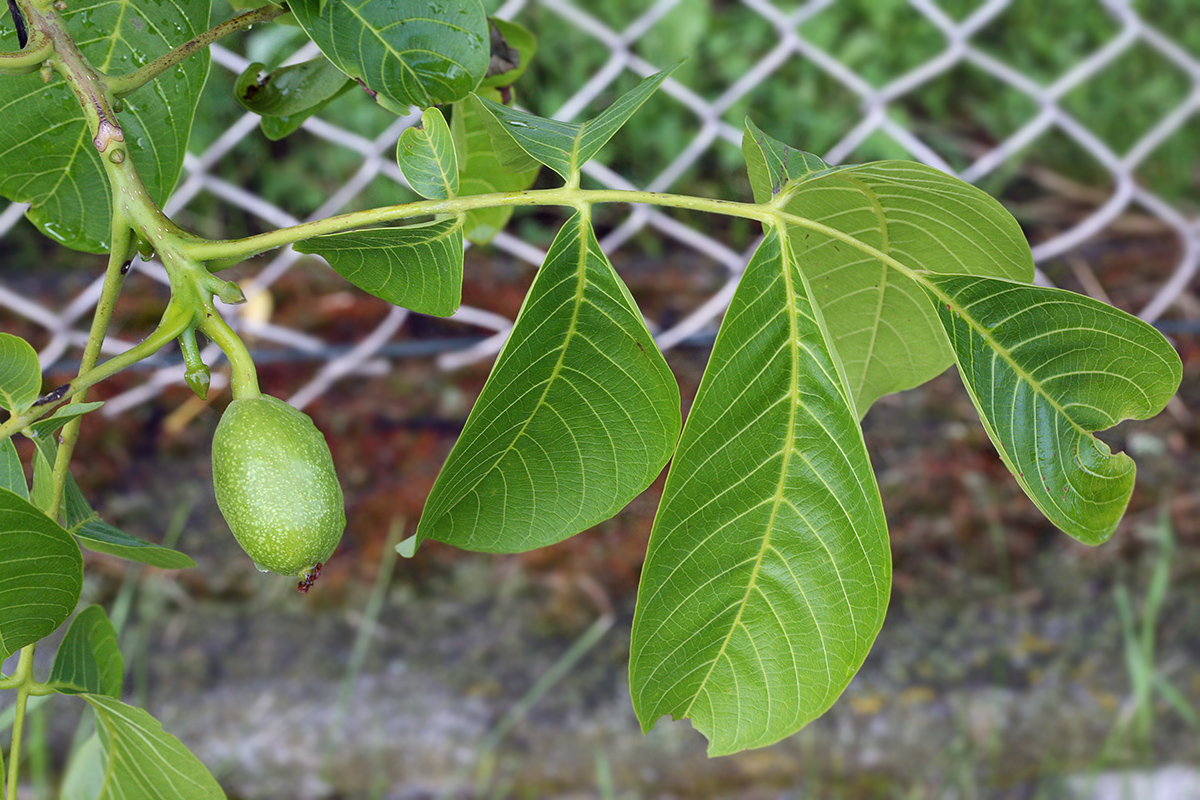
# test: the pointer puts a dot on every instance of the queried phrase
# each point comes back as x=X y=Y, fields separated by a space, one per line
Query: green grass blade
x=768 y=569
x=1046 y=368
x=579 y=414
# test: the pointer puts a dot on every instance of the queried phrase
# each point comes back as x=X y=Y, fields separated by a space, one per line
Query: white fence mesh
x=784 y=42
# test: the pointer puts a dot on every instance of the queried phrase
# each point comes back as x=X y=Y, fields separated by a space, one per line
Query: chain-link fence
x=1097 y=101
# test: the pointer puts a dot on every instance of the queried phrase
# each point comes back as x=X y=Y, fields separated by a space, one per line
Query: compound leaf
x=142 y=760
x=562 y=146
x=43 y=574
x=883 y=327
x=768 y=570
x=1045 y=368
x=20 y=373
x=47 y=157
x=407 y=52
x=88 y=660
x=419 y=267
x=579 y=414
x=426 y=157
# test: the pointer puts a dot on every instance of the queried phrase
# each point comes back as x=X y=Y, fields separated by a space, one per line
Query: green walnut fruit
x=277 y=488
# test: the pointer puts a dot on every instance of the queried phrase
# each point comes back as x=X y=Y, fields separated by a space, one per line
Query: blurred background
x=1015 y=662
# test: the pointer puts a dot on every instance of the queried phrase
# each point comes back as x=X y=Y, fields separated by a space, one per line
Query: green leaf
x=426 y=157
x=579 y=414
x=20 y=372
x=407 y=52
x=12 y=476
x=98 y=536
x=1045 y=368
x=419 y=267
x=287 y=96
x=88 y=659
x=562 y=146
x=42 y=571
x=884 y=329
x=509 y=42
x=48 y=425
x=143 y=761
x=768 y=569
x=47 y=157
x=480 y=172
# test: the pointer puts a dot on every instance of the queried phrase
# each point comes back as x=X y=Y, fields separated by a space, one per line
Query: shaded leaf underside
x=768 y=568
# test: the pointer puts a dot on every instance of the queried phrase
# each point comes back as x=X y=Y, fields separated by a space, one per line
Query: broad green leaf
x=883 y=327
x=47 y=157
x=407 y=52
x=143 y=761
x=562 y=146
x=579 y=414
x=1045 y=368
x=43 y=472
x=88 y=660
x=42 y=571
x=419 y=267
x=20 y=373
x=98 y=536
x=513 y=48
x=48 y=425
x=768 y=569
x=480 y=172
x=287 y=96
x=427 y=159
x=12 y=476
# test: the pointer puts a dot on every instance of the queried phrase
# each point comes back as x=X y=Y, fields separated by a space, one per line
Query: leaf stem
x=24 y=676
x=244 y=378
x=121 y=85
x=29 y=58
x=175 y=320
x=226 y=253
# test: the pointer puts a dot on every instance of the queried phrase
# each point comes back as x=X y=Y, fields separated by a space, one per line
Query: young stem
x=244 y=378
x=121 y=85
x=29 y=58
x=24 y=675
x=175 y=320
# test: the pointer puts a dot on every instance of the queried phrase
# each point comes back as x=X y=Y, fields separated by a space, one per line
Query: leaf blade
x=779 y=560
x=88 y=660
x=142 y=760
x=1046 y=368
x=406 y=52
x=579 y=414
x=47 y=157
x=20 y=374
x=427 y=159
x=43 y=574
x=380 y=261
